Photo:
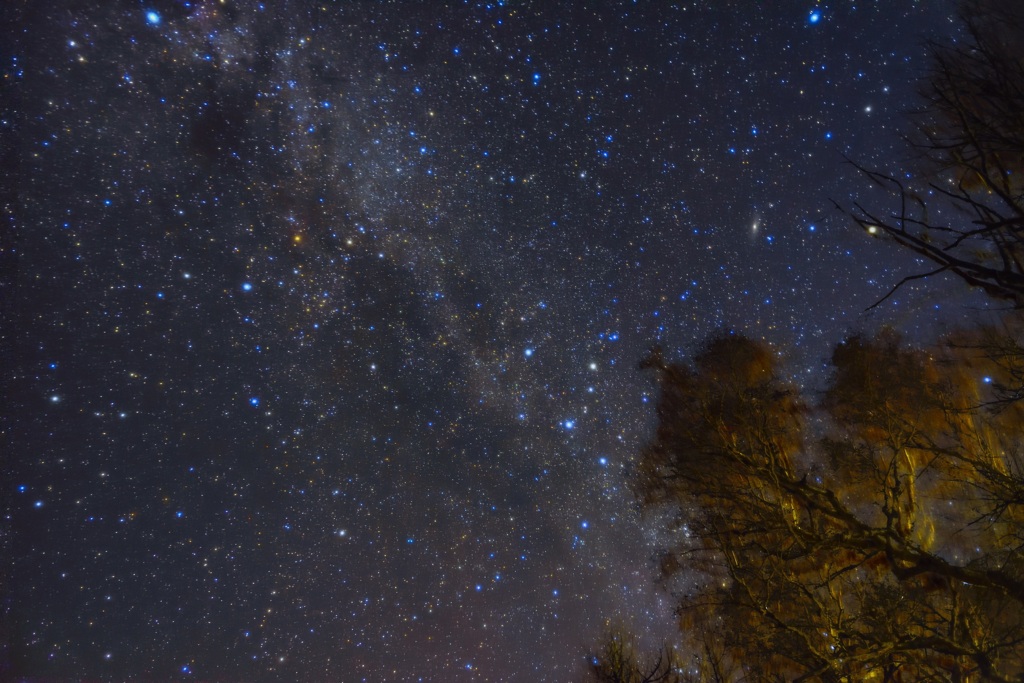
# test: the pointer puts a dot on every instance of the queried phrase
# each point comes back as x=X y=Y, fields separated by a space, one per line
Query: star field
x=324 y=319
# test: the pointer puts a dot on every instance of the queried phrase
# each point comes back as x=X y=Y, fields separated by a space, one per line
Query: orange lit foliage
x=887 y=546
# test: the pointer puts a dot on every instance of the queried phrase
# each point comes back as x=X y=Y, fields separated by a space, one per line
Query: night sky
x=322 y=320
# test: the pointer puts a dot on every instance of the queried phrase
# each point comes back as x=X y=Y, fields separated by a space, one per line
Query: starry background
x=323 y=319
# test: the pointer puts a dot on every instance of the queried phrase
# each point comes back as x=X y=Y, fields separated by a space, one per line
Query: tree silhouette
x=619 y=662
x=964 y=211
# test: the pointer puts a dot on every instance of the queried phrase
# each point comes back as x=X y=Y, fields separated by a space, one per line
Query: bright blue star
x=814 y=17
x=528 y=352
x=152 y=18
x=569 y=424
x=246 y=286
x=254 y=401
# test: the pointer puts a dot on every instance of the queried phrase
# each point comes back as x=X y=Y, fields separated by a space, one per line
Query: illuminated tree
x=887 y=546
x=964 y=209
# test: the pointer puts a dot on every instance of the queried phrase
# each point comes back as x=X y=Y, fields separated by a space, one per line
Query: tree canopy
x=874 y=535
